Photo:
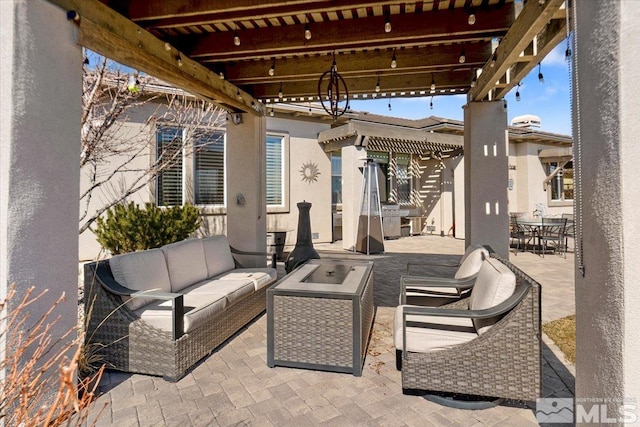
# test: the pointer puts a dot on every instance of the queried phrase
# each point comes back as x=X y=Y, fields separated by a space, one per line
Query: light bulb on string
x=518 y=93
x=272 y=113
x=540 y=76
x=433 y=83
x=494 y=58
x=236 y=37
x=307 y=32
x=394 y=63
x=389 y=103
x=462 y=59
x=475 y=78
x=272 y=70
x=431 y=103
x=280 y=94
x=378 y=85
x=472 y=19
x=387 y=23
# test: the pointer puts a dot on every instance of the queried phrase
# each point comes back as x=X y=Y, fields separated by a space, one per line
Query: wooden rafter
x=104 y=31
x=530 y=22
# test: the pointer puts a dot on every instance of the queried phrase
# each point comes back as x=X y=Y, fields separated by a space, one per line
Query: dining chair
x=518 y=232
x=569 y=230
x=553 y=231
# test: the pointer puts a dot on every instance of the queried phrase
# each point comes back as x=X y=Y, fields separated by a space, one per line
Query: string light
x=378 y=85
x=475 y=79
x=540 y=76
x=387 y=23
x=431 y=103
x=394 y=63
x=179 y=60
x=463 y=57
x=272 y=113
x=389 y=102
x=236 y=37
x=494 y=58
x=433 y=83
x=272 y=70
x=472 y=19
x=167 y=47
x=518 y=93
x=238 y=94
x=221 y=75
x=280 y=91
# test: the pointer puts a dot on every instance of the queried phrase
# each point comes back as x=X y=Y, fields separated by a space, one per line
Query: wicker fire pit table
x=320 y=316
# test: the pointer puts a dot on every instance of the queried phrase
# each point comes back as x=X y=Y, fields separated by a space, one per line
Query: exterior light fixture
x=307 y=32
x=433 y=83
x=280 y=91
x=272 y=113
x=463 y=57
x=540 y=76
x=272 y=70
x=471 y=20
x=387 y=23
x=378 y=85
x=394 y=63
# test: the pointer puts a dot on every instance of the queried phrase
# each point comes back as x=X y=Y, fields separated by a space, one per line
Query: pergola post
x=607 y=155
x=40 y=110
x=246 y=182
x=486 y=175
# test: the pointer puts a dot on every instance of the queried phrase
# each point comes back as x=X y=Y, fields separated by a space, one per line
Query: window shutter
x=209 y=169
x=275 y=162
x=169 y=180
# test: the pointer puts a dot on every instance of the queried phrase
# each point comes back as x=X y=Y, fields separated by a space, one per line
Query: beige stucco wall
x=41 y=88
x=528 y=178
x=608 y=296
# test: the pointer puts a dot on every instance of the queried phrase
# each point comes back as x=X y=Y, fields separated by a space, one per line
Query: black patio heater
x=303 y=251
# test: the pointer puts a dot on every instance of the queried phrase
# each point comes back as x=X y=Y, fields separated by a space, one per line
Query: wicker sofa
x=160 y=311
x=486 y=344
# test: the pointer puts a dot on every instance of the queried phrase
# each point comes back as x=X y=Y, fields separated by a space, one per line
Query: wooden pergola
x=243 y=54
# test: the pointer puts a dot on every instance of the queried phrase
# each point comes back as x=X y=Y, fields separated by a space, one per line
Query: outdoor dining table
x=534 y=226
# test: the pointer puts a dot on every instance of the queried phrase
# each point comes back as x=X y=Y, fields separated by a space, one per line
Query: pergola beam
x=350 y=35
x=370 y=63
x=106 y=32
x=531 y=21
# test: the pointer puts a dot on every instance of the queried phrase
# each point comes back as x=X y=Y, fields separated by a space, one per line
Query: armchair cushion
x=218 y=256
x=471 y=262
x=186 y=263
x=141 y=271
x=432 y=333
x=495 y=283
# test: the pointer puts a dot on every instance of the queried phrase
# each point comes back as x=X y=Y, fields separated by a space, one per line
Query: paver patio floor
x=234 y=386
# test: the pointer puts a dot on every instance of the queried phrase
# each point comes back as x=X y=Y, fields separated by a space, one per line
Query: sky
x=549 y=101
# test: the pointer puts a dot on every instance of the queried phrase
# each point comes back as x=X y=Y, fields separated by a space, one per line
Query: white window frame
x=285 y=206
x=548 y=182
x=216 y=208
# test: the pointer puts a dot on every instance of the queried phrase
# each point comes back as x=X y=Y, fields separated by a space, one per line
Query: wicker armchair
x=434 y=291
x=494 y=351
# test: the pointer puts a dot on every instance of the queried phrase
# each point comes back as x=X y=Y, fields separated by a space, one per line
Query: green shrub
x=128 y=227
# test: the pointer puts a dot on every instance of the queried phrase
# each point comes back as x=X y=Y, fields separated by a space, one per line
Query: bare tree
x=114 y=146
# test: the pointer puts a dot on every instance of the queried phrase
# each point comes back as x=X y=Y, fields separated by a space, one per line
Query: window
x=403 y=178
x=169 y=181
x=275 y=170
x=560 y=181
x=384 y=181
x=336 y=178
x=209 y=169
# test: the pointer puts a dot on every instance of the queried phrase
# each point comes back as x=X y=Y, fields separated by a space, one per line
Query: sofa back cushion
x=471 y=262
x=185 y=262
x=495 y=283
x=141 y=271
x=218 y=255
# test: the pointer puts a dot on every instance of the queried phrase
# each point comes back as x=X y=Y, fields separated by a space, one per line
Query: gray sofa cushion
x=186 y=263
x=432 y=333
x=260 y=277
x=141 y=271
x=495 y=283
x=198 y=309
x=233 y=290
x=218 y=255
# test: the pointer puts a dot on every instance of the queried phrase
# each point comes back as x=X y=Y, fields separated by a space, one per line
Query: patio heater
x=370 y=237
